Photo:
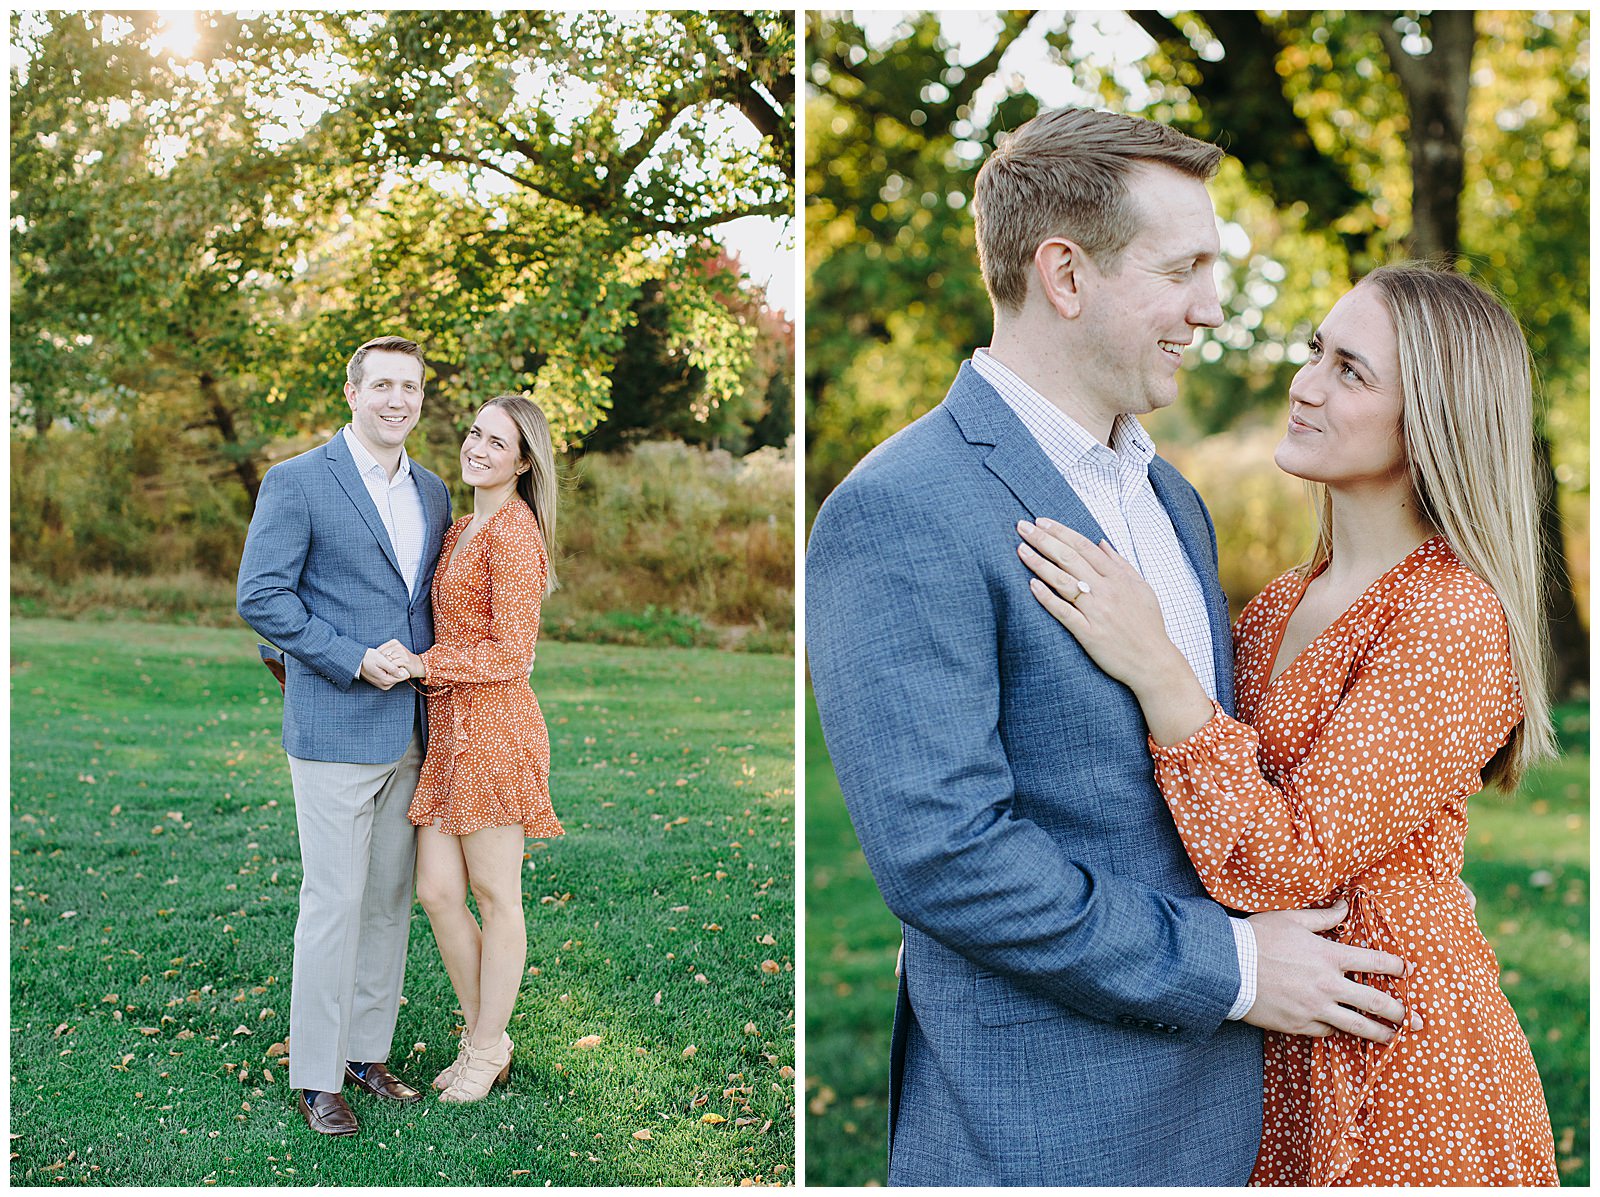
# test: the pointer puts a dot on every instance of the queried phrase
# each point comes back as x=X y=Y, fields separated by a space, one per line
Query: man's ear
x=1057 y=268
x=350 y=395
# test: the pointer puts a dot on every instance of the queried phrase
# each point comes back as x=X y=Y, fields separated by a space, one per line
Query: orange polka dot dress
x=488 y=762
x=1348 y=775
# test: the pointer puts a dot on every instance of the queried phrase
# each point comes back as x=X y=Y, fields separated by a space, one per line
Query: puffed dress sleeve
x=1426 y=706
x=503 y=652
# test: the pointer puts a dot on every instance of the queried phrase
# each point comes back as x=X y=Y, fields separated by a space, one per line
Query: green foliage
x=1527 y=862
x=224 y=231
x=1317 y=189
x=681 y=530
x=891 y=263
x=154 y=859
x=129 y=519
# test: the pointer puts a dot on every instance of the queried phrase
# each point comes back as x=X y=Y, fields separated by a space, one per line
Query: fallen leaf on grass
x=771 y=967
x=657 y=999
x=587 y=1041
x=699 y=1101
x=750 y=1028
x=786 y=1073
x=688 y=1052
x=147 y=1031
x=186 y=1033
x=241 y=1029
x=712 y=1119
x=766 y=940
x=277 y=1049
x=700 y=979
x=643 y=1134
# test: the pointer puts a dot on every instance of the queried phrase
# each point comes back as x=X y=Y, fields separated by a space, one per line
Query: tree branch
x=700 y=224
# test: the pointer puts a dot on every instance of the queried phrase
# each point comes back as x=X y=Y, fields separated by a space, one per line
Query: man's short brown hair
x=356 y=368
x=1064 y=174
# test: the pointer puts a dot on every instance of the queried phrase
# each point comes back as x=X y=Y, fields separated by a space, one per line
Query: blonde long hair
x=536 y=486
x=1467 y=428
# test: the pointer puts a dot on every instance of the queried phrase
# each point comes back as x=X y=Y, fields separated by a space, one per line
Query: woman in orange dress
x=485 y=781
x=1378 y=687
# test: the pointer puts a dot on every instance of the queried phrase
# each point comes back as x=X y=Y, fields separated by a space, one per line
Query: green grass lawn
x=155 y=876
x=1527 y=860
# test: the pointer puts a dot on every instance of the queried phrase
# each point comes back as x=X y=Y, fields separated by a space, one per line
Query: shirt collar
x=1129 y=440
x=366 y=462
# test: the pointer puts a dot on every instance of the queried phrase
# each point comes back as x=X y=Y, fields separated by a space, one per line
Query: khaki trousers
x=358 y=852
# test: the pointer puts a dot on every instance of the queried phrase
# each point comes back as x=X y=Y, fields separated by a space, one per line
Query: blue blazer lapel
x=343 y=468
x=1015 y=457
x=1193 y=527
x=437 y=518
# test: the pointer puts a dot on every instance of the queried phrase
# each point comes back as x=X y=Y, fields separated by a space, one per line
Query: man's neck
x=1048 y=373
x=389 y=459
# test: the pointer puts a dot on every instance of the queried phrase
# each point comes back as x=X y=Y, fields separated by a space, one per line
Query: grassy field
x=1527 y=860
x=155 y=874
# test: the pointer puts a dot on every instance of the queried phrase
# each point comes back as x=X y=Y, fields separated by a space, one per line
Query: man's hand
x=403 y=658
x=380 y=671
x=1301 y=987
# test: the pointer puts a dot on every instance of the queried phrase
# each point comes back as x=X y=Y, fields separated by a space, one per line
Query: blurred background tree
x=211 y=210
x=1354 y=138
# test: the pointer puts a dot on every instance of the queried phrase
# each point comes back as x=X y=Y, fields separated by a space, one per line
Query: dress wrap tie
x=1347 y=1068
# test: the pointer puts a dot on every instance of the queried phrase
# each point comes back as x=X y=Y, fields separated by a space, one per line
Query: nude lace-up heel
x=480 y=1070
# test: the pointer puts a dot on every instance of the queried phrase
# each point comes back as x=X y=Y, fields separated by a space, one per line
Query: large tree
x=501 y=185
x=1245 y=74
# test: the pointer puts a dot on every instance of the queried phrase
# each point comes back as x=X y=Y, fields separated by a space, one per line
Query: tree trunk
x=244 y=466
x=1436 y=90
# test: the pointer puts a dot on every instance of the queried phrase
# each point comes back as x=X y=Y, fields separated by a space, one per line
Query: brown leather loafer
x=327 y=1113
x=377 y=1080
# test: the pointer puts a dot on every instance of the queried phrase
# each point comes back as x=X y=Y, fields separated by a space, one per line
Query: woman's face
x=1345 y=403
x=489 y=454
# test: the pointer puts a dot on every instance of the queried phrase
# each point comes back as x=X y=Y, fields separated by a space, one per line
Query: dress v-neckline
x=456 y=544
x=1294 y=604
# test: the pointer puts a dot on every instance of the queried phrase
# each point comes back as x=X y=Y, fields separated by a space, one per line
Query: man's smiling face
x=386 y=405
x=1158 y=291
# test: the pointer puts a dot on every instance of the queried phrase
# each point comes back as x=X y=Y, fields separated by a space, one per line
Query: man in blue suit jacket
x=1073 y=1009
x=339 y=559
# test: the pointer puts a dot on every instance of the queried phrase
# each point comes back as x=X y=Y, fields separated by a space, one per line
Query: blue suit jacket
x=1061 y=1016
x=320 y=579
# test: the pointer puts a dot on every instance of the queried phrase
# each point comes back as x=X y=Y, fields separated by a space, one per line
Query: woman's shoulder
x=1442 y=588
x=515 y=527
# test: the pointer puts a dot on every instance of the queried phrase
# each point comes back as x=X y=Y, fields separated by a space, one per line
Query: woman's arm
x=1431 y=700
x=517 y=571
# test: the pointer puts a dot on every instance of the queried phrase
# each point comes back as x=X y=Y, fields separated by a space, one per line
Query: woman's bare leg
x=442 y=889
x=494 y=869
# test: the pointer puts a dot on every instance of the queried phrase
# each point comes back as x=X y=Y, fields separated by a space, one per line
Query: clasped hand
x=404 y=658
x=390 y=664
x=1099 y=598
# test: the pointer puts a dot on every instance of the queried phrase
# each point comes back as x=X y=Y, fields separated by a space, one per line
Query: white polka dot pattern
x=1348 y=776
x=488 y=762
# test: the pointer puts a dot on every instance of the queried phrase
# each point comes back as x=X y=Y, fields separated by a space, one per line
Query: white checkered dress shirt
x=1114 y=484
x=399 y=506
